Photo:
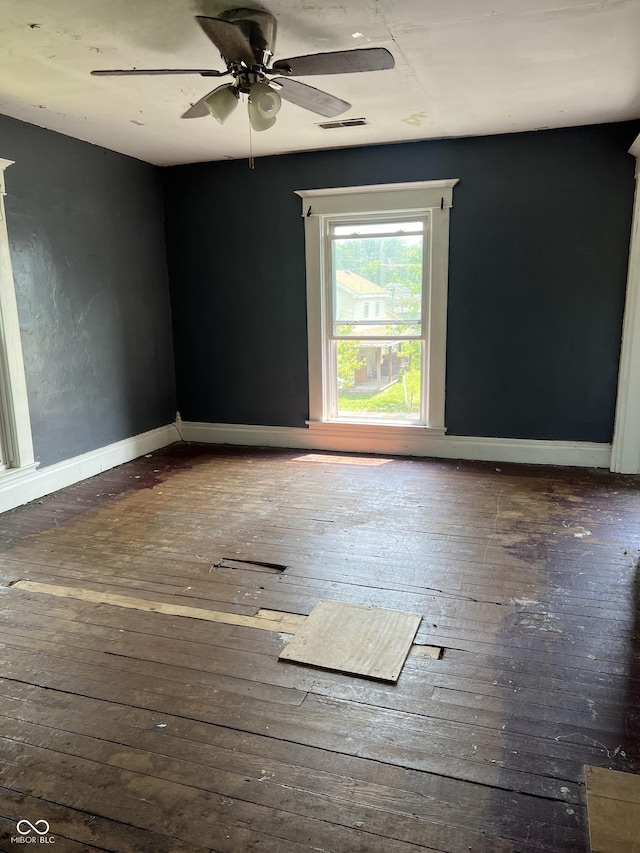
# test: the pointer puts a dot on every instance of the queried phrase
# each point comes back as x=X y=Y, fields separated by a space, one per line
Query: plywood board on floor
x=613 y=803
x=355 y=639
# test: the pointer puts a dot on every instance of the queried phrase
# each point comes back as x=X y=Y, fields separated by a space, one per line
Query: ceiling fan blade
x=204 y=72
x=310 y=98
x=338 y=62
x=232 y=43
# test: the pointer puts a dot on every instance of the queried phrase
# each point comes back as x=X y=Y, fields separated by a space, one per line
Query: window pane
x=378 y=379
x=378 y=281
x=377 y=228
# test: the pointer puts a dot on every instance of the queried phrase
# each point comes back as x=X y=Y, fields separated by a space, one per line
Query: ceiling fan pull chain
x=252 y=163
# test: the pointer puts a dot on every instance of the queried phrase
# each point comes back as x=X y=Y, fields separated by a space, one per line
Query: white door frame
x=16 y=423
x=625 y=449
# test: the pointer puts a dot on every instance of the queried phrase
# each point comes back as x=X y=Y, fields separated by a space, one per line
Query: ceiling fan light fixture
x=222 y=102
x=264 y=106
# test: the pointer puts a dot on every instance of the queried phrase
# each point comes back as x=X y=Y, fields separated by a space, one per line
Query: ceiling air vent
x=347 y=122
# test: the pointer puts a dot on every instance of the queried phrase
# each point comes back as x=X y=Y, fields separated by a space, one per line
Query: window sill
x=370 y=428
x=8 y=474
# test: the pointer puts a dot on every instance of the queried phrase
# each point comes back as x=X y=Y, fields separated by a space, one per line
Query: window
x=383 y=246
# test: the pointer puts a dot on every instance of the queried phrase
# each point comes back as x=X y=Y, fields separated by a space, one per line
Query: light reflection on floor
x=341 y=460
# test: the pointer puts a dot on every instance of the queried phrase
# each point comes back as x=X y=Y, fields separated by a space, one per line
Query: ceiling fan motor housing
x=259 y=28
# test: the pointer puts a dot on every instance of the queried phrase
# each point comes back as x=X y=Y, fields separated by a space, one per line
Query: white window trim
x=433 y=197
x=625 y=450
x=14 y=416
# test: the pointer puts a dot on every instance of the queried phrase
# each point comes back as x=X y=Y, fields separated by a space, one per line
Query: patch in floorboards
x=613 y=806
x=419 y=650
x=268 y=620
x=354 y=639
x=250 y=565
x=287 y=625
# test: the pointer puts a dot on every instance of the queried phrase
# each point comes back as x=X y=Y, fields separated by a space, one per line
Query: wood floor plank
x=541 y=721
x=98 y=597
x=170 y=676
x=257 y=763
x=77 y=831
x=384 y=821
x=180 y=809
x=541 y=652
x=336 y=725
x=446 y=674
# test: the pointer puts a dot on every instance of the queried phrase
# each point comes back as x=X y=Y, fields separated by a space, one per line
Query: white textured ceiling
x=463 y=67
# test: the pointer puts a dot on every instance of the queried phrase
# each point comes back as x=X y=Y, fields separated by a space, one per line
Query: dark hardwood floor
x=141 y=732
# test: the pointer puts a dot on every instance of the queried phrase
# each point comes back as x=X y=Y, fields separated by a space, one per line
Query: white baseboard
x=410 y=441
x=21 y=486
x=584 y=454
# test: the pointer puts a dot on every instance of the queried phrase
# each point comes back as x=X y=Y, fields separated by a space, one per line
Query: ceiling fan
x=246 y=40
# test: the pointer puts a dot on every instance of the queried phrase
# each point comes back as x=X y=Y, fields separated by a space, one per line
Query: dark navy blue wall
x=87 y=246
x=539 y=245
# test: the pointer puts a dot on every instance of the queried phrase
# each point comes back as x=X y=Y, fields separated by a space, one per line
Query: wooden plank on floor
x=286 y=621
x=613 y=803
